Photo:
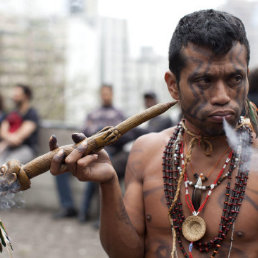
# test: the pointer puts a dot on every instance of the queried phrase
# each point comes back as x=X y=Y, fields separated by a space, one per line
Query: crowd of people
x=19 y=140
x=105 y=115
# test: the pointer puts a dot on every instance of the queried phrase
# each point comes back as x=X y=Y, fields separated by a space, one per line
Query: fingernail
x=53 y=142
x=95 y=156
x=52 y=138
x=78 y=137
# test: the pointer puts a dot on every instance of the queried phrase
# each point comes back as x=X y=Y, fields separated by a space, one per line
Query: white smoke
x=9 y=195
x=232 y=137
x=235 y=140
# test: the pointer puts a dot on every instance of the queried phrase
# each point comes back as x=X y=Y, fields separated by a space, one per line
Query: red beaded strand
x=187 y=195
x=233 y=198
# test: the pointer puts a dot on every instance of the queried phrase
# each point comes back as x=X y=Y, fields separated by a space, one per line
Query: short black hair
x=26 y=90
x=216 y=30
x=150 y=95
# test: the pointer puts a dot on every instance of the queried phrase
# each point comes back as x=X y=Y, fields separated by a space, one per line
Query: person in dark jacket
x=105 y=115
x=19 y=129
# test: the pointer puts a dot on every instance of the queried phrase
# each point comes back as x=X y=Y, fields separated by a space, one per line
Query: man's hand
x=95 y=167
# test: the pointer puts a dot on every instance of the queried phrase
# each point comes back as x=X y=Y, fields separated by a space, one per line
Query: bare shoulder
x=145 y=149
x=152 y=141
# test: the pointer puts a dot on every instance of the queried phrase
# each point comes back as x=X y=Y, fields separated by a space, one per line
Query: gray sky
x=152 y=22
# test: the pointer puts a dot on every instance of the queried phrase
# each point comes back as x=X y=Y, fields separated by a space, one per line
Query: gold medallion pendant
x=193 y=228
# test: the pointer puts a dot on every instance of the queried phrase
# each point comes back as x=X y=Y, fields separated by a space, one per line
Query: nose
x=220 y=94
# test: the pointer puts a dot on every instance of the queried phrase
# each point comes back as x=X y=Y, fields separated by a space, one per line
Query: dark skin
x=210 y=88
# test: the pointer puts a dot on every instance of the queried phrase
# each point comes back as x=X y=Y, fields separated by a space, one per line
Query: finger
x=86 y=161
x=56 y=163
x=75 y=155
x=78 y=137
x=84 y=167
x=63 y=168
x=53 y=142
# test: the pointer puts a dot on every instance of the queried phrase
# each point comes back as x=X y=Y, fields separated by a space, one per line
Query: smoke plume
x=238 y=140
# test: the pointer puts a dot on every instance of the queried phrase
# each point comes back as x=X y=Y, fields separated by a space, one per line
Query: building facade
x=32 y=52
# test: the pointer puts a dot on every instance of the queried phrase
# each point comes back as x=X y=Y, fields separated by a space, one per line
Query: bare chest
x=158 y=230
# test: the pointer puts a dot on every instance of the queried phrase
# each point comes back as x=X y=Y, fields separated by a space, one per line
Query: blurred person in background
x=157 y=123
x=253 y=86
x=105 y=115
x=19 y=129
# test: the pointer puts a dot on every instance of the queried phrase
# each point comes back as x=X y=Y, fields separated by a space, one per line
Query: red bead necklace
x=172 y=168
x=188 y=197
x=212 y=186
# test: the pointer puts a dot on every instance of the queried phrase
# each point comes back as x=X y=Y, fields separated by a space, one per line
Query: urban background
x=65 y=55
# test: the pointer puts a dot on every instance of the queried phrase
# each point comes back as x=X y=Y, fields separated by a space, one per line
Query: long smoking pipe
x=13 y=172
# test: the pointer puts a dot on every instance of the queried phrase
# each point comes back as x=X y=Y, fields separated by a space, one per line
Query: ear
x=170 y=79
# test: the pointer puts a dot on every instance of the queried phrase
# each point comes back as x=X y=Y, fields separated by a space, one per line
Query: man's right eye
x=205 y=79
x=236 y=80
x=203 y=82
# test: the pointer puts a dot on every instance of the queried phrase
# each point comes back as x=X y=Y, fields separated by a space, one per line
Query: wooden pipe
x=13 y=171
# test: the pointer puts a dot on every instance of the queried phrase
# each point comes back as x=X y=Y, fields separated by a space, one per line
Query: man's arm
x=17 y=138
x=122 y=221
x=4 y=130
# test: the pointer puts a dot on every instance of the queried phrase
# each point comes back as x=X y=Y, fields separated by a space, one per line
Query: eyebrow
x=208 y=74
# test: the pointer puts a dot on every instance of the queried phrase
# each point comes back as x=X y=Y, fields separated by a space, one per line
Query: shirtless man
x=208 y=67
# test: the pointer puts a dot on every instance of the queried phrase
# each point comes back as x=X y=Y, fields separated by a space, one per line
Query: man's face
x=18 y=96
x=149 y=102
x=213 y=88
x=106 y=96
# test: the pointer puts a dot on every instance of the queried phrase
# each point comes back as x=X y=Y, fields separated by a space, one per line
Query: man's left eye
x=238 y=78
